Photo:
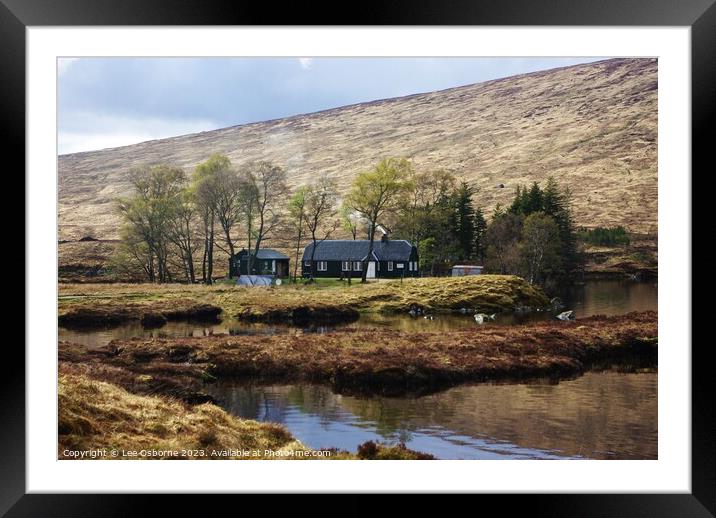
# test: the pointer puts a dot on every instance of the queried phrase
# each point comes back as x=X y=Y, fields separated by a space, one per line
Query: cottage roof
x=265 y=253
x=357 y=250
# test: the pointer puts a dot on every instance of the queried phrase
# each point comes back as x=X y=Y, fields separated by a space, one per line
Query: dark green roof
x=265 y=253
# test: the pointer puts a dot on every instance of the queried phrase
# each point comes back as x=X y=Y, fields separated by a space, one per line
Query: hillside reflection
x=599 y=415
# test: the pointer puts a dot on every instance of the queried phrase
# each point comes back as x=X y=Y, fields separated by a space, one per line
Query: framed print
x=444 y=238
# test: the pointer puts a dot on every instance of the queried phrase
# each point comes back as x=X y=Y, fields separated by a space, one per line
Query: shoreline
x=371 y=361
x=101 y=421
x=102 y=389
x=97 y=305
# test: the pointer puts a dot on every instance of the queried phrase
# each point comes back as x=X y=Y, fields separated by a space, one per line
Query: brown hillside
x=592 y=126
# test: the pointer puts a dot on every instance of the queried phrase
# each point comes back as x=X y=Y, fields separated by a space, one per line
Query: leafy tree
x=502 y=243
x=147 y=216
x=133 y=255
x=540 y=246
x=438 y=215
x=416 y=218
x=377 y=192
x=207 y=187
x=555 y=202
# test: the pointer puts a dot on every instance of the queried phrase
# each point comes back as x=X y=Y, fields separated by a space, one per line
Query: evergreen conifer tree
x=464 y=220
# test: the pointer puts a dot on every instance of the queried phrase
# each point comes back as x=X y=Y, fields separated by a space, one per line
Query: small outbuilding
x=460 y=270
x=267 y=262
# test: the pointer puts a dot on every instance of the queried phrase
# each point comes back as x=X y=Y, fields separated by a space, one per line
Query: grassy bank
x=111 y=303
x=639 y=259
x=372 y=360
x=96 y=415
x=151 y=313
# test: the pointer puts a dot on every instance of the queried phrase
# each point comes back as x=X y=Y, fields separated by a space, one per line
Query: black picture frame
x=700 y=15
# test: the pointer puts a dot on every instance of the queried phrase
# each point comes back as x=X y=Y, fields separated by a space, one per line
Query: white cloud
x=89 y=131
x=306 y=63
x=63 y=64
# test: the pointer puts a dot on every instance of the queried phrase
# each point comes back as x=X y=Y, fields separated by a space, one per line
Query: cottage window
x=357 y=266
x=322 y=266
x=410 y=266
x=346 y=266
x=390 y=266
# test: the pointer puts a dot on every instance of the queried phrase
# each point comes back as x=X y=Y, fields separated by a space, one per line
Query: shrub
x=604 y=236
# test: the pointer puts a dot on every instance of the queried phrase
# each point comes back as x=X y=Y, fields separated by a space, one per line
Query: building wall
x=335 y=269
x=262 y=266
x=397 y=272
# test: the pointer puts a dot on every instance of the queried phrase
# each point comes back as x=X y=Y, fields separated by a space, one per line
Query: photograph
x=453 y=234
x=357 y=258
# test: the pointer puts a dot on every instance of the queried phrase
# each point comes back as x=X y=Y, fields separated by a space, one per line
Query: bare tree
x=228 y=203
x=297 y=222
x=264 y=188
x=320 y=213
x=182 y=232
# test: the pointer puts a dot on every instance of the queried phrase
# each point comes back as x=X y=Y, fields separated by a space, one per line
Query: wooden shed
x=267 y=262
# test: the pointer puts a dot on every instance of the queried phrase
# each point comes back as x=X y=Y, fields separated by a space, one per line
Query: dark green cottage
x=267 y=262
x=391 y=258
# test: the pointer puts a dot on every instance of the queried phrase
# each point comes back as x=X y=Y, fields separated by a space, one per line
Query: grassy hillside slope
x=592 y=126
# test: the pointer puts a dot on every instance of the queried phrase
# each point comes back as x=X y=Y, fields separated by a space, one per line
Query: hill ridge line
x=346 y=106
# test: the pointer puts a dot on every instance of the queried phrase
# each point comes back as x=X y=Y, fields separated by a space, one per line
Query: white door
x=371 y=270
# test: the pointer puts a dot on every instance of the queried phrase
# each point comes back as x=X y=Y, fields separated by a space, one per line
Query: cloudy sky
x=109 y=102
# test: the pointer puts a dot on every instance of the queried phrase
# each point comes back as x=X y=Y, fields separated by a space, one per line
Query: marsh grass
x=308 y=302
x=97 y=415
x=376 y=360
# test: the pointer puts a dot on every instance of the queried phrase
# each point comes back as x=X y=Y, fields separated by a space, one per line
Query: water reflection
x=608 y=297
x=600 y=415
x=612 y=297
